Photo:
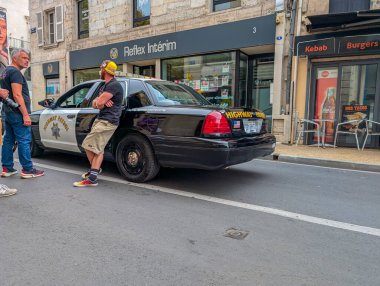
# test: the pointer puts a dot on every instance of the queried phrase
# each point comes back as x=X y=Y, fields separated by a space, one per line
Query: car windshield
x=167 y=93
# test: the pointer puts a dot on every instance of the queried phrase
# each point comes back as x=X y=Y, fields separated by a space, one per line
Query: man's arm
x=100 y=101
x=17 y=96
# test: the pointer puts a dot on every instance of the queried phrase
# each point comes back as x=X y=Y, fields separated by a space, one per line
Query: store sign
x=51 y=69
x=222 y=37
x=355 y=45
x=360 y=44
x=316 y=47
x=352 y=113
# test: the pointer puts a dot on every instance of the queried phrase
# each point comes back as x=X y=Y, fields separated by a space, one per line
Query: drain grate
x=236 y=233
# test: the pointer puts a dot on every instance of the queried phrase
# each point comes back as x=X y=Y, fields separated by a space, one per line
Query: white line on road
x=277 y=212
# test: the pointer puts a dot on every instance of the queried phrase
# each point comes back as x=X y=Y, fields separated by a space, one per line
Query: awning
x=343 y=20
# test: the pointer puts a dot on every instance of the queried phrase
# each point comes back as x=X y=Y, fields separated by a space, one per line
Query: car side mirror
x=47 y=103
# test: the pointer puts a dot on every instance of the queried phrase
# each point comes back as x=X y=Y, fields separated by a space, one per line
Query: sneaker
x=7 y=172
x=5 y=191
x=85 y=183
x=87 y=174
x=34 y=173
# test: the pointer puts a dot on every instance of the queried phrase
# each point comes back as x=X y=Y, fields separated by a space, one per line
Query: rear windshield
x=167 y=93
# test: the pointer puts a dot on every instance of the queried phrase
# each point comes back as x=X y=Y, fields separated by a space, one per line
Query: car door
x=57 y=125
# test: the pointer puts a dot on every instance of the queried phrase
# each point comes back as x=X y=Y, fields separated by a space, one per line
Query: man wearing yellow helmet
x=109 y=103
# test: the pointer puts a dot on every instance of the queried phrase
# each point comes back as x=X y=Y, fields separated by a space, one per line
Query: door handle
x=70 y=116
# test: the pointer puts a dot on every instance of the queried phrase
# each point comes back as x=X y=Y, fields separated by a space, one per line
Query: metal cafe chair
x=352 y=131
x=302 y=128
x=371 y=130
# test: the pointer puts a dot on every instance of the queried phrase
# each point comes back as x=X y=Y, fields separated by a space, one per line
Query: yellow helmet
x=109 y=66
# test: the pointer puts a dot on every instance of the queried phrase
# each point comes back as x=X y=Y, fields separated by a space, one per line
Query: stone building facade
x=239 y=47
x=336 y=69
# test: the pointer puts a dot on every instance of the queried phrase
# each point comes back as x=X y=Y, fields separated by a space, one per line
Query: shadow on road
x=192 y=180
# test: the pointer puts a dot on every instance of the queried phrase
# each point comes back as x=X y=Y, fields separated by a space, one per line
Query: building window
x=343 y=6
x=83 y=19
x=141 y=13
x=50 y=26
x=219 y=5
x=213 y=76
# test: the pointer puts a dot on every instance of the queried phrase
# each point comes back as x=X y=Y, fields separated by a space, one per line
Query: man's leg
x=9 y=140
x=90 y=156
x=95 y=167
x=24 y=138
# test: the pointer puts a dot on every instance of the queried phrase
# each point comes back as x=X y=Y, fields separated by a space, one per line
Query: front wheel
x=135 y=159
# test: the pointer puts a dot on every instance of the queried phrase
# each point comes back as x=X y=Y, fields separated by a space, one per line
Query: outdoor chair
x=371 y=130
x=354 y=129
x=302 y=127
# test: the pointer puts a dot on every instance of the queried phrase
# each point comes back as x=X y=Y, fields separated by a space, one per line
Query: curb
x=326 y=163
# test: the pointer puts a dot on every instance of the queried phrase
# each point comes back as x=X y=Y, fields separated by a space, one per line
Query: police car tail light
x=215 y=124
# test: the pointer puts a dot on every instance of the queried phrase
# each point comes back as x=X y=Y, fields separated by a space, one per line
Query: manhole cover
x=236 y=233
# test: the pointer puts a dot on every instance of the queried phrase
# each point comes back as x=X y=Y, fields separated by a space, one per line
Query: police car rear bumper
x=212 y=154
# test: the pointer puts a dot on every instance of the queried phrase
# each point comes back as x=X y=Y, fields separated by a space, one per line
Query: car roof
x=123 y=79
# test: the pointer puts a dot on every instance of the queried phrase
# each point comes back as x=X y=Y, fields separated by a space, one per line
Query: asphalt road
x=173 y=231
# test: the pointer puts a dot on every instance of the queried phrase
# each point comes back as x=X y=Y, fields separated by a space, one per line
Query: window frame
x=49 y=14
x=219 y=2
x=140 y=19
x=84 y=33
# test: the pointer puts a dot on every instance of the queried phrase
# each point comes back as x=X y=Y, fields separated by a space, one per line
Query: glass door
x=357 y=97
x=343 y=92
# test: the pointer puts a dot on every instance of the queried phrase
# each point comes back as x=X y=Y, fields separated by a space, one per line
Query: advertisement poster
x=226 y=68
x=327 y=80
x=204 y=85
x=224 y=93
x=52 y=87
x=354 y=112
x=225 y=80
x=197 y=84
x=4 y=58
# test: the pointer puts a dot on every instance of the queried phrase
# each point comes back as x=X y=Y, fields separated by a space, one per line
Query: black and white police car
x=163 y=124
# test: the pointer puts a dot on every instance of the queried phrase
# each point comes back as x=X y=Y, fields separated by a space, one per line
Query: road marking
x=316 y=166
x=272 y=211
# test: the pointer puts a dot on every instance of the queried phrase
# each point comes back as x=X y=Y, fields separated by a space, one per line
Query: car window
x=137 y=96
x=75 y=98
x=168 y=93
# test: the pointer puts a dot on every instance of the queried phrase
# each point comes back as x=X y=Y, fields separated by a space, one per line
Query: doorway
x=343 y=92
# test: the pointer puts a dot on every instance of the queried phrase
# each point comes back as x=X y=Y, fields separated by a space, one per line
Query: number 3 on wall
x=254 y=30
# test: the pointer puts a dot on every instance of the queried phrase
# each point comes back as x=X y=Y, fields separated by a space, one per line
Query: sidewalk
x=346 y=158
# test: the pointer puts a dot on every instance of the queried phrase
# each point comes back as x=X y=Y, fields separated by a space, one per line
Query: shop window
x=213 y=76
x=141 y=13
x=219 y=5
x=83 y=19
x=50 y=26
x=53 y=89
x=89 y=74
x=343 y=6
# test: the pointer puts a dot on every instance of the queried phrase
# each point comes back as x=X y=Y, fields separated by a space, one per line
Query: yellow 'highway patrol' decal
x=54 y=118
x=245 y=114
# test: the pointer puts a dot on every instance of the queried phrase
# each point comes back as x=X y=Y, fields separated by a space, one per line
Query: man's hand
x=27 y=121
x=109 y=103
x=4 y=93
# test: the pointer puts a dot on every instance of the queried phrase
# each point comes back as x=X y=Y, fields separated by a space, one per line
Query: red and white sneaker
x=7 y=172
x=85 y=183
x=34 y=173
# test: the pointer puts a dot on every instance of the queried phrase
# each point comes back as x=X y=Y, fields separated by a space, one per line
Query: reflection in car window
x=168 y=93
x=136 y=95
x=74 y=100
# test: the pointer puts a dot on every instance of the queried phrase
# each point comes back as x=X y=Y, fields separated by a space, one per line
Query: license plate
x=252 y=125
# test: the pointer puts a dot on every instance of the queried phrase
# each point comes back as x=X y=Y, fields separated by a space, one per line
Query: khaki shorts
x=101 y=132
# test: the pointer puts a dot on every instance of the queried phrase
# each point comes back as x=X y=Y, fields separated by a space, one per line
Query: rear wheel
x=135 y=159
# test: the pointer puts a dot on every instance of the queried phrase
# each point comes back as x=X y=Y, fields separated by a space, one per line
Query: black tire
x=35 y=150
x=135 y=159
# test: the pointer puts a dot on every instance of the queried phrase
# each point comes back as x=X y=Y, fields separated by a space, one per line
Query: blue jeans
x=16 y=131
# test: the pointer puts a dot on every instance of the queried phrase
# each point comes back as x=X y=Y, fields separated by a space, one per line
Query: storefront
x=222 y=62
x=343 y=82
x=51 y=75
